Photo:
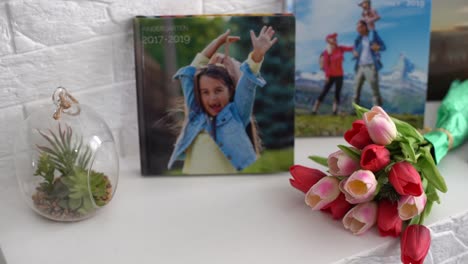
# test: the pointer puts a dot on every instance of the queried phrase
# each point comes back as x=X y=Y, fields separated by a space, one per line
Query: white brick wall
x=87 y=47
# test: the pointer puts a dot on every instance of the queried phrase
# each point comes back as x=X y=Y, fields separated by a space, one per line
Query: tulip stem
x=415 y=220
x=421 y=217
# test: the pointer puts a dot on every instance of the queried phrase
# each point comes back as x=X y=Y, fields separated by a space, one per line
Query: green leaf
x=407 y=130
x=47 y=150
x=360 y=110
x=57 y=141
x=75 y=195
x=431 y=194
x=87 y=204
x=51 y=142
x=45 y=168
x=60 y=190
x=427 y=208
x=353 y=153
x=398 y=158
x=408 y=151
x=75 y=203
x=62 y=137
x=382 y=178
x=320 y=160
x=86 y=157
x=393 y=147
x=389 y=167
x=430 y=172
x=67 y=181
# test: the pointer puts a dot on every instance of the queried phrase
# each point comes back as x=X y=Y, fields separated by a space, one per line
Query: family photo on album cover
x=215 y=94
x=368 y=52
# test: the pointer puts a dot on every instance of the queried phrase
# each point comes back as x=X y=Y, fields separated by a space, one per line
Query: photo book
x=215 y=93
x=369 y=52
x=449 y=53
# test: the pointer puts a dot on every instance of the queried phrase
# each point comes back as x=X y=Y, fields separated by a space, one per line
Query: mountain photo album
x=368 y=52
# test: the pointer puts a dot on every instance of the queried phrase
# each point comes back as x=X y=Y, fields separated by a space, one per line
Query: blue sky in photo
x=405 y=30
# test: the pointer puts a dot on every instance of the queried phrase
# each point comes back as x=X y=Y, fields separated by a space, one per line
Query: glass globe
x=68 y=168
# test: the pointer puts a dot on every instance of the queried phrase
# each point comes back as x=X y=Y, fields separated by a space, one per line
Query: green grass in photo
x=272 y=160
x=308 y=125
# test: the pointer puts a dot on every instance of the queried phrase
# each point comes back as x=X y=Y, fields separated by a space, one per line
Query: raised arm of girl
x=245 y=91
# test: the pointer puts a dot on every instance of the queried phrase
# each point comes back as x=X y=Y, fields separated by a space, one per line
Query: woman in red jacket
x=333 y=67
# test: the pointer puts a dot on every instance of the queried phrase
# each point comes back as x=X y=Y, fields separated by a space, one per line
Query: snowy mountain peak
x=403 y=68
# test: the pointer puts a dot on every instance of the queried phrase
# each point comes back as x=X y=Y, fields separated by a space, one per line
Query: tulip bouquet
x=387 y=177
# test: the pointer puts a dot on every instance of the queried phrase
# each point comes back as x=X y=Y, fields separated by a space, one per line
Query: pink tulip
x=340 y=164
x=359 y=187
x=361 y=217
x=381 y=128
x=411 y=206
x=323 y=193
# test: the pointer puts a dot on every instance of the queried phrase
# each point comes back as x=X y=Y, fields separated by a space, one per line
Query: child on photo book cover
x=216 y=115
x=214 y=137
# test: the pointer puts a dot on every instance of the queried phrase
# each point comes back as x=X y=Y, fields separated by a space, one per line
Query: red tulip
x=304 y=177
x=358 y=136
x=338 y=208
x=405 y=179
x=388 y=220
x=415 y=243
x=374 y=157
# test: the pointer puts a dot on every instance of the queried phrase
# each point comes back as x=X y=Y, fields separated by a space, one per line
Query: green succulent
x=79 y=197
x=63 y=152
x=46 y=168
x=64 y=166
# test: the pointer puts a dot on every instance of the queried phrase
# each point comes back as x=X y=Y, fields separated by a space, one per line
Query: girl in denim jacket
x=213 y=139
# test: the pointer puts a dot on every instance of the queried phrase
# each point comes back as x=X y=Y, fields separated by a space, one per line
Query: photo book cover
x=370 y=52
x=215 y=93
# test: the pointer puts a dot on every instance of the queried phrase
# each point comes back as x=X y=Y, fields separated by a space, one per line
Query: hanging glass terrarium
x=66 y=161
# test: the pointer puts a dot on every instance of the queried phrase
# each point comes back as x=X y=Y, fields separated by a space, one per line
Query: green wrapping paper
x=452 y=121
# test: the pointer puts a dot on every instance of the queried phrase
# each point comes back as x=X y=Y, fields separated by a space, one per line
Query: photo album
x=368 y=52
x=215 y=93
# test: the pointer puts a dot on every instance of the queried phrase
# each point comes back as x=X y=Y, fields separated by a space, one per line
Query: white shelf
x=217 y=219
